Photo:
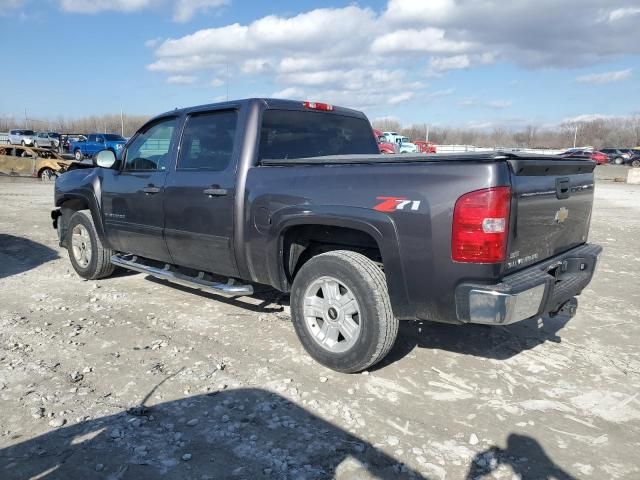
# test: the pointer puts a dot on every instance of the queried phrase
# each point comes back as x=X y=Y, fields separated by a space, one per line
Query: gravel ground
x=130 y=378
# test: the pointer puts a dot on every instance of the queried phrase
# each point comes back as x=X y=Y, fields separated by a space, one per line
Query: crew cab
x=296 y=195
x=95 y=142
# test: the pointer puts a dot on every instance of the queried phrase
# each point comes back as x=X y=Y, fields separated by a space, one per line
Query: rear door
x=200 y=194
x=133 y=196
x=552 y=208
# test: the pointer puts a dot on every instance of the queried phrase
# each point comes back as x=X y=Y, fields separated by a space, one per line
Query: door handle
x=150 y=190
x=215 y=192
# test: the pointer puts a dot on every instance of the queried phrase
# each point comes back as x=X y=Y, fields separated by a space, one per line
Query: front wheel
x=341 y=311
x=89 y=258
x=618 y=160
x=78 y=155
x=635 y=163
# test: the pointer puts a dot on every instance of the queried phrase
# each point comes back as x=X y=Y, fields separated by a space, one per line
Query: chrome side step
x=229 y=289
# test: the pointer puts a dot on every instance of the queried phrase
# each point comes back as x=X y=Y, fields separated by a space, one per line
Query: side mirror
x=104 y=159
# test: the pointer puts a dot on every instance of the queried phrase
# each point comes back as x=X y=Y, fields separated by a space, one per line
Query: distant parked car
x=96 y=142
x=406 y=146
x=598 y=157
x=634 y=160
x=425 y=147
x=616 y=155
x=21 y=137
x=384 y=145
x=32 y=162
x=45 y=140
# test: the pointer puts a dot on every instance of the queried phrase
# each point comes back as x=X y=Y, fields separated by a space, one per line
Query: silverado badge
x=561 y=215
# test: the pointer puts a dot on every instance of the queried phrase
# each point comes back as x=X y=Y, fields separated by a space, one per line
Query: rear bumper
x=538 y=290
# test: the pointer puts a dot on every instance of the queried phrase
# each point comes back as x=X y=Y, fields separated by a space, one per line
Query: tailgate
x=551 y=210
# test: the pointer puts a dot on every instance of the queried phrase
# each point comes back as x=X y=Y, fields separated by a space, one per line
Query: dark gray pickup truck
x=296 y=196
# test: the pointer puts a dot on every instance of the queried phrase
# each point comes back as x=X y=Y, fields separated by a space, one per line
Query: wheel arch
x=71 y=203
x=299 y=233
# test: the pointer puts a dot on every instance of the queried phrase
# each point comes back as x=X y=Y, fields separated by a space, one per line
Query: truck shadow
x=19 y=254
x=523 y=454
x=495 y=342
x=243 y=433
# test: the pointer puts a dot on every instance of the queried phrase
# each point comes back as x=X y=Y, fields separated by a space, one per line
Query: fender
x=378 y=225
x=88 y=191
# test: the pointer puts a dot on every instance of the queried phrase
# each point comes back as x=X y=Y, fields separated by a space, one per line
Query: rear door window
x=301 y=134
x=207 y=141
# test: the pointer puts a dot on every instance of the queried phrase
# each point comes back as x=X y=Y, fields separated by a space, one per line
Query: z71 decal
x=391 y=204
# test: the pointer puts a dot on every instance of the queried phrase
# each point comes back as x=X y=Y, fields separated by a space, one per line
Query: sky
x=464 y=63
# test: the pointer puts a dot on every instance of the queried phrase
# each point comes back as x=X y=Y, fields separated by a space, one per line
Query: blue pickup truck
x=96 y=142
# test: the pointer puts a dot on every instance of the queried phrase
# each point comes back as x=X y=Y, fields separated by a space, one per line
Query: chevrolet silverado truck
x=296 y=195
x=96 y=142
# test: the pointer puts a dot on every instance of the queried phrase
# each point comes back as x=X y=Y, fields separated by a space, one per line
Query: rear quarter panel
x=415 y=244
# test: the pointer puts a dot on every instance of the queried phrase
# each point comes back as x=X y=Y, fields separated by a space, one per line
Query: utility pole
x=426 y=135
x=26 y=125
x=121 y=122
x=575 y=136
x=227 y=80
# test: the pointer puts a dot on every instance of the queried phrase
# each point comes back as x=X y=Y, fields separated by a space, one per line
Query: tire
x=78 y=155
x=635 y=163
x=360 y=279
x=47 y=175
x=94 y=264
x=618 y=160
x=23 y=143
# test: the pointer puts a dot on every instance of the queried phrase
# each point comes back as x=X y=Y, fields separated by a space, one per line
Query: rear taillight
x=318 y=106
x=481 y=226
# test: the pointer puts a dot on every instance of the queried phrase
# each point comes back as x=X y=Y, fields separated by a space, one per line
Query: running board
x=229 y=289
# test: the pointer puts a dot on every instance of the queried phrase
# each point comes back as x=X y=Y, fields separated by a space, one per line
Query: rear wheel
x=635 y=163
x=89 y=258
x=47 y=175
x=341 y=311
x=78 y=155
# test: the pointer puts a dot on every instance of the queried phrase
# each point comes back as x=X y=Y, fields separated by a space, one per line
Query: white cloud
x=11 y=4
x=97 y=6
x=499 y=104
x=442 y=93
x=400 y=98
x=255 y=65
x=184 y=10
x=153 y=42
x=623 y=13
x=606 y=77
x=587 y=117
x=429 y=40
x=216 y=82
x=475 y=102
x=441 y=64
x=182 y=79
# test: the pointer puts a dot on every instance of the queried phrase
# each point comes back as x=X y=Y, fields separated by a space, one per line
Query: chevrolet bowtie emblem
x=561 y=215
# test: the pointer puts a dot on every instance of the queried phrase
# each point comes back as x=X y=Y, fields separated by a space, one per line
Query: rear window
x=301 y=134
x=113 y=138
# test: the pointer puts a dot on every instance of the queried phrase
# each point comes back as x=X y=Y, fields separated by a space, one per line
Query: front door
x=200 y=193
x=133 y=196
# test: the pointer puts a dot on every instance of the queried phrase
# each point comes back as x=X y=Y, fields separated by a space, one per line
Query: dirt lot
x=129 y=378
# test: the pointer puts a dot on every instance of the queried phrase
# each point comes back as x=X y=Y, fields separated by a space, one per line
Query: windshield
x=303 y=134
x=113 y=138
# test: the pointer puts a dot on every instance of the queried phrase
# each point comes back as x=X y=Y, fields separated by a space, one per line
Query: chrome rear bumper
x=538 y=290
